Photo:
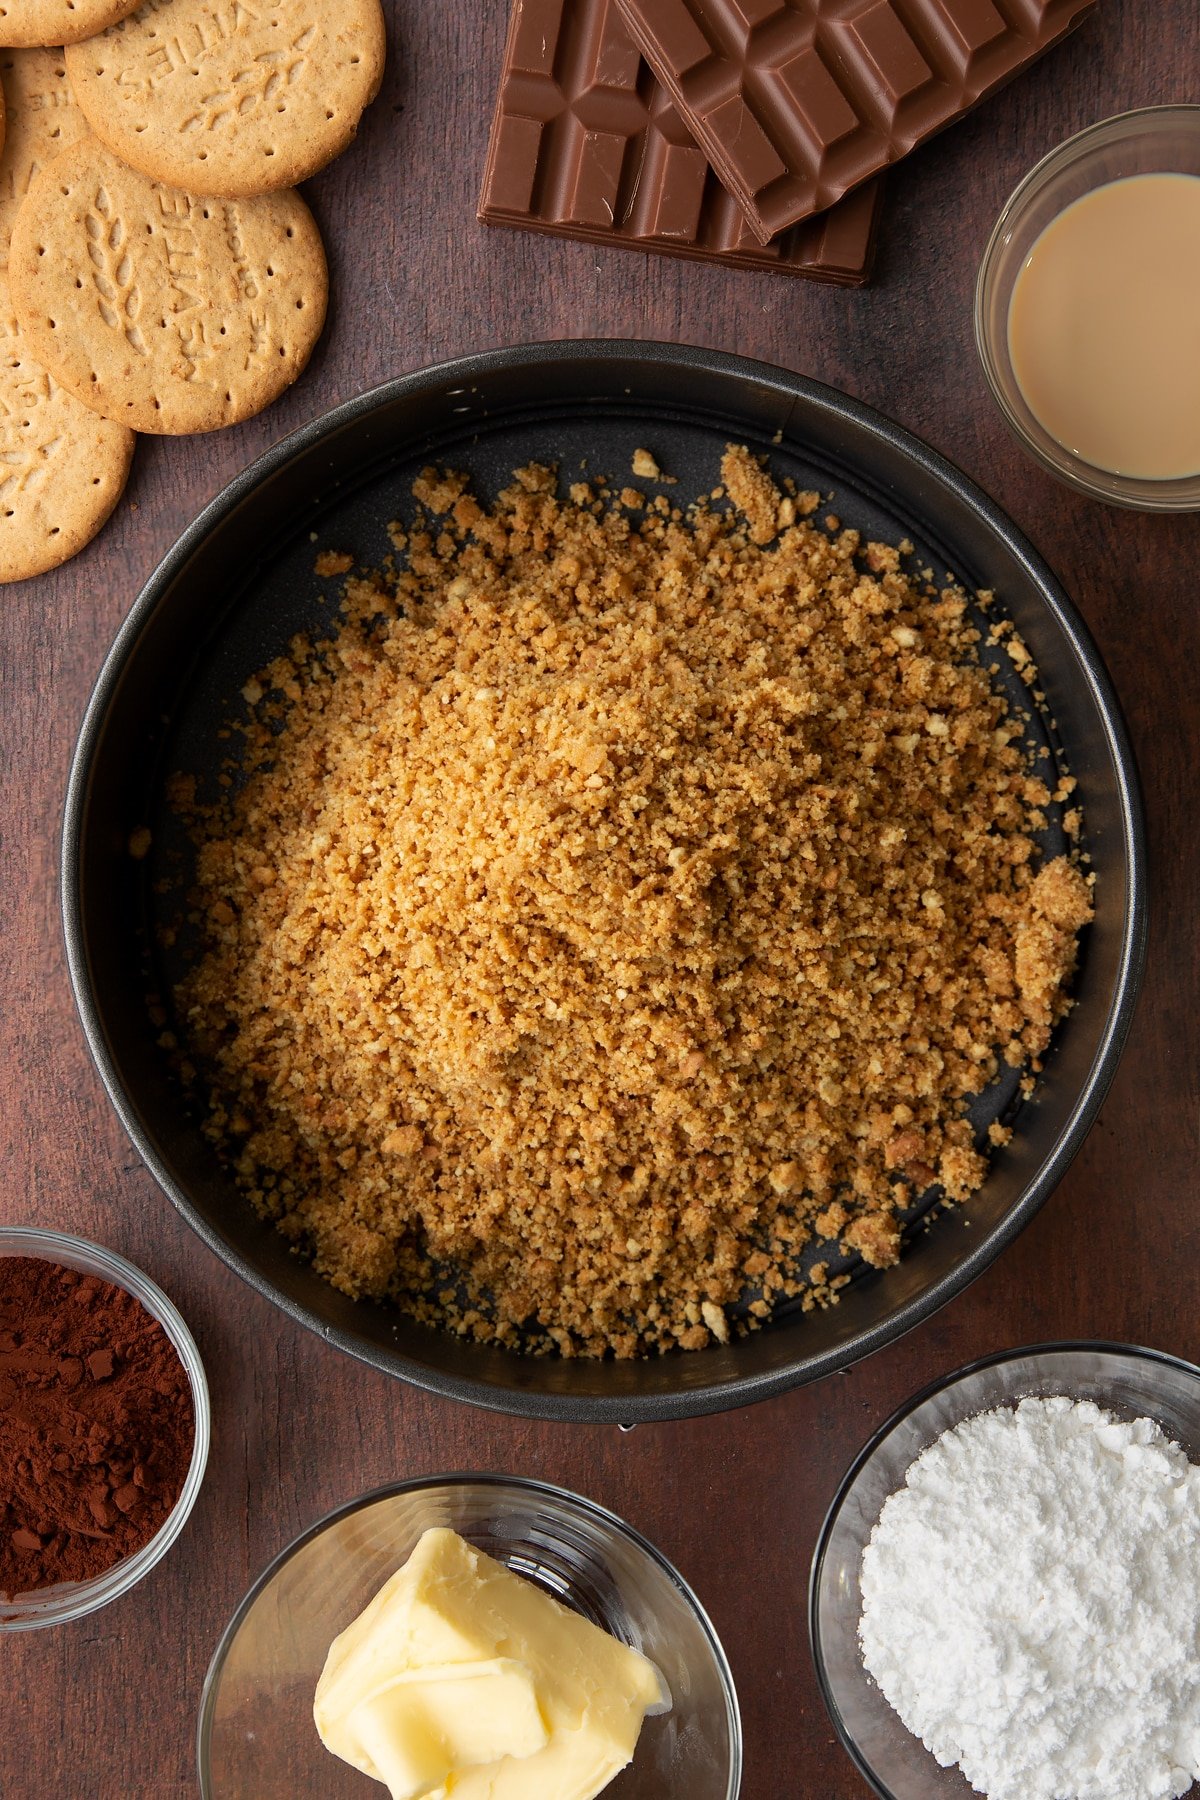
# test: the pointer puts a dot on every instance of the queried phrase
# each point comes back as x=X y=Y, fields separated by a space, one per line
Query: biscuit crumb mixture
x=615 y=906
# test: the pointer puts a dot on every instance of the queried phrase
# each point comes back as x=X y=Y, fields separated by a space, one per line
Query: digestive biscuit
x=167 y=311
x=26 y=24
x=41 y=120
x=62 y=469
x=230 y=98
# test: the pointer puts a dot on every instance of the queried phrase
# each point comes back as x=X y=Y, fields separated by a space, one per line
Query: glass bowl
x=1155 y=139
x=257 y=1740
x=69 y=1600
x=1125 y=1380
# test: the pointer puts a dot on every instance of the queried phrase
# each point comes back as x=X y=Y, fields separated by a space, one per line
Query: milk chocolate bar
x=794 y=102
x=586 y=143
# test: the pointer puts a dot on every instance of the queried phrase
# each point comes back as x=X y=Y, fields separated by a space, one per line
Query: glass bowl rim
x=1136 y=494
x=929 y=1391
x=468 y=1478
x=77 y=1599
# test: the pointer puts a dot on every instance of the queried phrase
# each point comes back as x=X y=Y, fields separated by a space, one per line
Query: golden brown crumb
x=614 y=906
x=1059 y=904
x=876 y=1238
x=754 y=494
x=333 y=562
x=645 y=466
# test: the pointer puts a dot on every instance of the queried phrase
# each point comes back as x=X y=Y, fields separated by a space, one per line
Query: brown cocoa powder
x=96 y=1425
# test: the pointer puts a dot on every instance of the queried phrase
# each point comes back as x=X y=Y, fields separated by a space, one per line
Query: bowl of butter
x=481 y=1636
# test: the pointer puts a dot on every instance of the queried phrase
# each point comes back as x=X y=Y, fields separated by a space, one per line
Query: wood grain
x=107 y=1707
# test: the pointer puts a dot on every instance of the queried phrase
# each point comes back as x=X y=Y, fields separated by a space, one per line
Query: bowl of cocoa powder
x=104 y=1427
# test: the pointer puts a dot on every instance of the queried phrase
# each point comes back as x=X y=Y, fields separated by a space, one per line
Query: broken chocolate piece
x=587 y=144
x=794 y=102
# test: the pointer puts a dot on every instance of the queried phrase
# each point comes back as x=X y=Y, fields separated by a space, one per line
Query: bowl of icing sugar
x=1005 y=1596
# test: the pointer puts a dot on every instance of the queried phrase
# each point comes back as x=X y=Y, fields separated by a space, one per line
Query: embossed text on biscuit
x=180 y=51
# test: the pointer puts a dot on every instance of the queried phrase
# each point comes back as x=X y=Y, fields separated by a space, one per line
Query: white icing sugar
x=1031 y=1604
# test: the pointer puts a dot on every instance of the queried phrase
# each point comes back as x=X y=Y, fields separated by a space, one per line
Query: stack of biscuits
x=158 y=270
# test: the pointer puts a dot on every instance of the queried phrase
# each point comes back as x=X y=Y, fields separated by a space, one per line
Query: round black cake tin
x=240 y=582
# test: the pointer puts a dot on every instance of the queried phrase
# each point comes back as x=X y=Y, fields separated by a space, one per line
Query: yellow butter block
x=460 y=1678
x=416 y=1732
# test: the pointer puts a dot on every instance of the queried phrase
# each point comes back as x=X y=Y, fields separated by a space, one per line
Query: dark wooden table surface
x=107 y=1707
